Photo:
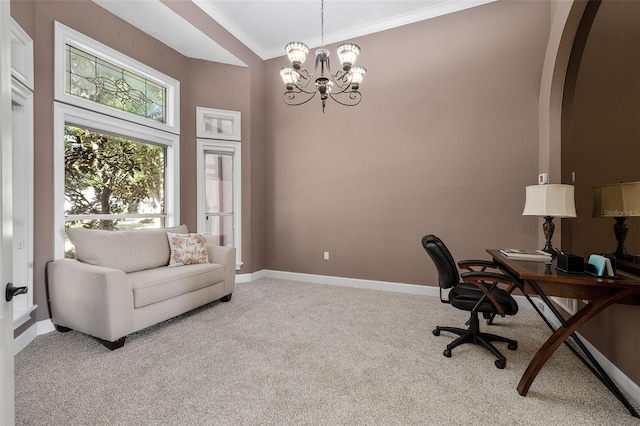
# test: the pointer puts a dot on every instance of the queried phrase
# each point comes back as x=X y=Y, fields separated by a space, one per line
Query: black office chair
x=478 y=293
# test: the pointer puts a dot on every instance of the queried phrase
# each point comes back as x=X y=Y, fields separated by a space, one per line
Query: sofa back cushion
x=129 y=251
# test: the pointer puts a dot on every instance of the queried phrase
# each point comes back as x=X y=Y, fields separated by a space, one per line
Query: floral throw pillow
x=187 y=249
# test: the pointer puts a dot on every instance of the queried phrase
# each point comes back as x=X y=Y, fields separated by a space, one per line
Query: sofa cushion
x=159 y=284
x=129 y=251
x=187 y=249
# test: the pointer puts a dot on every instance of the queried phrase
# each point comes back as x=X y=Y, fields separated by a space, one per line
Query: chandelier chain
x=322 y=23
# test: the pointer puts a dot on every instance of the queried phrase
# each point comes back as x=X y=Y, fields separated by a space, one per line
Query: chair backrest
x=446 y=265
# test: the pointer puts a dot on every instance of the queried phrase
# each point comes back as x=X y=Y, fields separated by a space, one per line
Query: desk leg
x=563 y=333
x=591 y=363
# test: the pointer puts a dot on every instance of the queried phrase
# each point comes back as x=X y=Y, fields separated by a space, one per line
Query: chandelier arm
x=297 y=88
x=289 y=98
x=354 y=96
x=306 y=78
x=304 y=74
x=343 y=89
x=342 y=80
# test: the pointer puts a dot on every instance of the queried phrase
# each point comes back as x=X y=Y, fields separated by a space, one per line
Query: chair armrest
x=479 y=279
x=488 y=276
x=471 y=263
x=225 y=256
x=92 y=299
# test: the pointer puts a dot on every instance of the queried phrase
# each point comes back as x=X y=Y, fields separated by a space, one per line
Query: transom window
x=96 y=77
x=89 y=77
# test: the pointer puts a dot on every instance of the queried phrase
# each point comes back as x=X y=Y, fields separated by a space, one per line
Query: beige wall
x=601 y=144
x=444 y=142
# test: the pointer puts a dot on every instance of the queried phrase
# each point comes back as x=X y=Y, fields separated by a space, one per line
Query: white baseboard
x=27 y=336
x=247 y=278
x=358 y=283
x=23 y=340
x=354 y=282
x=45 y=326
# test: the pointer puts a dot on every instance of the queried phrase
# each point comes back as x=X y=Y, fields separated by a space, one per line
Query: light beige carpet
x=292 y=353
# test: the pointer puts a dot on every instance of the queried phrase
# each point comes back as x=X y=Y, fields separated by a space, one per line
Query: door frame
x=7 y=392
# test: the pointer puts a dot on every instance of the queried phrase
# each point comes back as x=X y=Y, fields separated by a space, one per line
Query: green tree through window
x=109 y=179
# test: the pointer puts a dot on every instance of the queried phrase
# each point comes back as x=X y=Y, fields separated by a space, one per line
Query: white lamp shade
x=555 y=200
x=357 y=75
x=289 y=76
x=347 y=53
x=297 y=53
x=618 y=200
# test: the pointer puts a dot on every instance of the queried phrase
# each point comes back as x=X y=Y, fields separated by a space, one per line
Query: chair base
x=474 y=336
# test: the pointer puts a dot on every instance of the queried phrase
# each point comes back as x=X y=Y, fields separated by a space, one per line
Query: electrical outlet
x=326 y=255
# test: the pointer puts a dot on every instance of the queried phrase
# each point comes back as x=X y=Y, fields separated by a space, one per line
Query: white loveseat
x=121 y=282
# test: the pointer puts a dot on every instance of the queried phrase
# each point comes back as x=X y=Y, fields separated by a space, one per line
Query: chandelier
x=342 y=86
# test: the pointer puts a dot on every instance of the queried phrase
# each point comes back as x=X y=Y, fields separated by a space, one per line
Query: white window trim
x=234 y=116
x=65 y=35
x=21 y=55
x=77 y=116
x=235 y=149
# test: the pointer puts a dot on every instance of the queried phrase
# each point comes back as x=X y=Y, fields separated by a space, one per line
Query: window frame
x=65 y=35
x=203 y=113
x=235 y=149
x=83 y=113
x=67 y=114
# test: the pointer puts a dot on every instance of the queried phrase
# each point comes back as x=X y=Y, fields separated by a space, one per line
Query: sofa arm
x=225 y=256
x=91 y=299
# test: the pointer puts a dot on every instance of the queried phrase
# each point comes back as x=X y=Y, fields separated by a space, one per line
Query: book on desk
x=529 y=255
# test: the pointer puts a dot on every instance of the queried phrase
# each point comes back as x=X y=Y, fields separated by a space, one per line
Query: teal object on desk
x=602 y=265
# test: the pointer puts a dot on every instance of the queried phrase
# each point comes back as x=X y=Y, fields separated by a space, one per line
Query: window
x=116 y=140
x=111 y=174
x=217 y=124
x=93 y=76
x=219 y=193
x=112 y=182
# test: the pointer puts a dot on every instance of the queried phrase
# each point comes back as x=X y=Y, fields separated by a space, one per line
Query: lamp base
x=622 y=254
x=548 y=227
x=620 y=228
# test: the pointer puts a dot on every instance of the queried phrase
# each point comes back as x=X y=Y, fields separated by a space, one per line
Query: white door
x=6 y=226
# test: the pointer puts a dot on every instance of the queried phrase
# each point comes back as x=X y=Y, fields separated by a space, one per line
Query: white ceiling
x=266 y=26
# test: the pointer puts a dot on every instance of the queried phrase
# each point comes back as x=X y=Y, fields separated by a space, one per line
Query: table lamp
x=618 y=201
x=549 y=201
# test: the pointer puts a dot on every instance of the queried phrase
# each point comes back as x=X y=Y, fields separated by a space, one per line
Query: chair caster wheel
x=436 y=332
x=447 y=353
x=500 y=363
x=512 y=346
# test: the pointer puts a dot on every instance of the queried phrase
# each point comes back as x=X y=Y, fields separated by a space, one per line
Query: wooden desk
x=544 y=281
